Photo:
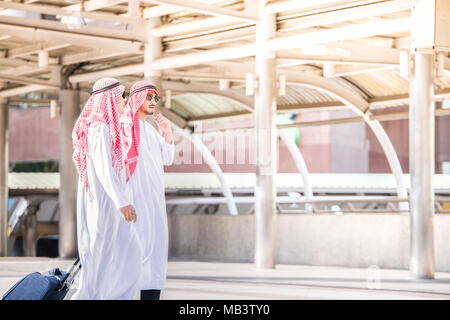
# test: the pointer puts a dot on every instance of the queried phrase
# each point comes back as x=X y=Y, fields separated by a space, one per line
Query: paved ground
x=211 y=280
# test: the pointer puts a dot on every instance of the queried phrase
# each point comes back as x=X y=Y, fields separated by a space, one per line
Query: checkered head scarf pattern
x=130 y=125
x=101 y=107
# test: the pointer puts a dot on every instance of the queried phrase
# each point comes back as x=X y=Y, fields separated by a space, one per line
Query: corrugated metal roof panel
x=196 y=180
x=202 y=104
x=294 y=180
x=33 y=180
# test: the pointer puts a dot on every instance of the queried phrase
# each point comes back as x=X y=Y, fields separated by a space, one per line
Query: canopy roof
x=175 y=181
x=208 y=48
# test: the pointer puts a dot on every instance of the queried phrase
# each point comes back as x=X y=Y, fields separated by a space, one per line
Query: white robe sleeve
x=167 y=149
x=100 y=154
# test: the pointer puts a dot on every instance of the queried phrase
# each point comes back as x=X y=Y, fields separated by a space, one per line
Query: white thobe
x=109 y=250
x=148 y=196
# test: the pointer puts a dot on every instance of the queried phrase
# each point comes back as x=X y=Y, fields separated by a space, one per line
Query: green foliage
x=37 y=166
x=288 y=119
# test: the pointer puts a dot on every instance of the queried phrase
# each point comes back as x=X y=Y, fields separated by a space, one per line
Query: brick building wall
x=339 y=148
x=33 y=135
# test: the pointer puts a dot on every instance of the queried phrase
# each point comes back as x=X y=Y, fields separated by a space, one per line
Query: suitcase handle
x=66 y=279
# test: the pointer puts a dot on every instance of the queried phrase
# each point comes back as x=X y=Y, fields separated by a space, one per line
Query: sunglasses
x=150 y=96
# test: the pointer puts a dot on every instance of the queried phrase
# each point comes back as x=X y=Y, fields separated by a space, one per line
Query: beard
x=149 y=112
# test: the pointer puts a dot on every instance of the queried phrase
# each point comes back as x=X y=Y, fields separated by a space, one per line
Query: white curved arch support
x=350 y=98
x=211 y=161
x=359 y=105
x=392 y=158
x=301 y=166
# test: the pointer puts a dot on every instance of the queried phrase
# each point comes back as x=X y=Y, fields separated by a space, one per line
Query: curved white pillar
x=357 y=103
x=392 y=158
x=360 y=106
x=300 y=164
x=212 y=163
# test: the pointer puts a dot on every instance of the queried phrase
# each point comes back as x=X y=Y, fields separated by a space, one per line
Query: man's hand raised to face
x=164 y=124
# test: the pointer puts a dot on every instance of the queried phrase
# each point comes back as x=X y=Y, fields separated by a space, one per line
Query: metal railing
x=320 y=204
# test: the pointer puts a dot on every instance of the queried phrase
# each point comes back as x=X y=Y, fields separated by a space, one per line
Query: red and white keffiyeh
x=130 y=125
x=101 y=107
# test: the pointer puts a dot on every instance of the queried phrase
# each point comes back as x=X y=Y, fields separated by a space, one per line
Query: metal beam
x=288 y=5
x=4 y=165
x=357 y=31
x=92 y=5
x=208 y=9
x=35 y=33
x=390 y=116
x=128 y=69
x=28 y=80
x=196 y=24
x=227 y=115
x=158 y=11
x=404 y=98
x=328 y=106
x=323 y=18
x=422 y=131
x=323 y=36
x=35 y=48
x=288 y=42
x=94 y=55
x=25 y=70
x=201 y=41
x=291 y=59
x=120 y=34
x=338 y=52
x=17 y=62
x=23 y=89
x=68 y=11
x=346 y=70
x=163 y=10
x=320 y=106
x=244 y=101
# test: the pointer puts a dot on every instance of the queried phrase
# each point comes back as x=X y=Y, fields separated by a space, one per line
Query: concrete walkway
x=194 y=280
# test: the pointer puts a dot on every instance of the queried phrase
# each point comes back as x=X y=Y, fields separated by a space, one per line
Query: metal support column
x=4 y=161
x=266 y=143
x=70 y=110
x=153 y=51
x=421 y=155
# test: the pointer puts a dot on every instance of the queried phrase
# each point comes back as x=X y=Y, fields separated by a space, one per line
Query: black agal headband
x=144 y=88
x=106 y=88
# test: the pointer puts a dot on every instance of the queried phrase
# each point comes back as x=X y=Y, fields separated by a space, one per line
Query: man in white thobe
x=151 y=152
x=108 y=246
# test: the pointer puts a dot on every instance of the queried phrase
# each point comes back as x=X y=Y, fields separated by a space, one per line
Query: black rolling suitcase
x=52 y=285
